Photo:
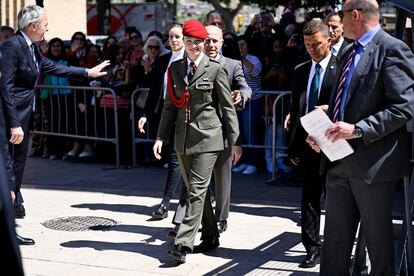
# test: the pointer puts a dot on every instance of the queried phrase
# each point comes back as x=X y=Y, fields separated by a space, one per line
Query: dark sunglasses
x=342 y=13
x=153 y=47
x=133 y=37
x=78 y=38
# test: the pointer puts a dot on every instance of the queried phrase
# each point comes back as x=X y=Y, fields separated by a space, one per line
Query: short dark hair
x=78 y=34
x=316 y=26
x=329 y=15
x=6 y=28
x=214 y=12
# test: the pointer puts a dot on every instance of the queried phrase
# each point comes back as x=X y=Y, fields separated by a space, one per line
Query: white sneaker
x=84 y=154
x=240 y=168
x=72 y=153
x=250 y=170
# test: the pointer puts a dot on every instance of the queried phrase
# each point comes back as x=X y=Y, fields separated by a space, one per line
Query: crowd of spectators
x=269 y=52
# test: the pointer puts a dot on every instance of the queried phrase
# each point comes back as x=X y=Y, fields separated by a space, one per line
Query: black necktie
x=193 y=68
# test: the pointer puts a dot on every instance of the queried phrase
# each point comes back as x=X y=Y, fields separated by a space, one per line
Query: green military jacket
x=212 y=123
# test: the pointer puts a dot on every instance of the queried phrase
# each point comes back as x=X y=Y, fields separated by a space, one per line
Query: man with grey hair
x=20 y=71
x=312 y=85
x=370 y=108
x=241 y=93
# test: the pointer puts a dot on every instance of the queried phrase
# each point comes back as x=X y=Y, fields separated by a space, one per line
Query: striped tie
x=342 y=80
x=32 y=51
x=192 y=70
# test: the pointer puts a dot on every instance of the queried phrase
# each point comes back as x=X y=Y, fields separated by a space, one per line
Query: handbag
x=107 y=101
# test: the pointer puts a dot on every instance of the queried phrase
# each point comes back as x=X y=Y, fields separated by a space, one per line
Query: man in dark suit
x=241 y=93
x=10 y=253
x=370 y=108
x=336 y=31
x=20 y=71
x=198 y=92
x=312 y=85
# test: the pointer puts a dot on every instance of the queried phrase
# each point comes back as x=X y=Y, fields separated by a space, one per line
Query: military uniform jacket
x=205 y=130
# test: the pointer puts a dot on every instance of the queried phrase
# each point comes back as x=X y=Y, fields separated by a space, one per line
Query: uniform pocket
x=209 y=124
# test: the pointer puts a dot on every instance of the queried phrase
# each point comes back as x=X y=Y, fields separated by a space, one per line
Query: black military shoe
x=311 y=260
x=178 y=253
x=222 y=226
x=160 y=213
x=206 y=245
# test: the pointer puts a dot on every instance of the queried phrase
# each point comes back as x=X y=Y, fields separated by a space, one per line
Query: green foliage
x=309 y=4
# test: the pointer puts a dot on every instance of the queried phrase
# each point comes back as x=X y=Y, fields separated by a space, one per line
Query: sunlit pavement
x=263 y=237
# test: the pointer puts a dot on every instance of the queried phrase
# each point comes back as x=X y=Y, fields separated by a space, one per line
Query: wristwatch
x=357 y=132
x=86 y=72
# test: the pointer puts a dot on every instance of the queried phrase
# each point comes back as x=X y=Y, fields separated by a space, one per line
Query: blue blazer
x=380 y=101
x=19 y=74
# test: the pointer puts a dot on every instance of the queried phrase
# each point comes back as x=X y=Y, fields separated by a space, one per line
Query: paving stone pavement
x=263 y=237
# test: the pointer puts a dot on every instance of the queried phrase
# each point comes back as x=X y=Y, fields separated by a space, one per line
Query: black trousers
x=18 y=153
x=349 y=201
x=174 y=179
x=312 y=191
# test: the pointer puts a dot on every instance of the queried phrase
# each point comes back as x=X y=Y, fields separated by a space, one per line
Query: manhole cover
x=79 y=223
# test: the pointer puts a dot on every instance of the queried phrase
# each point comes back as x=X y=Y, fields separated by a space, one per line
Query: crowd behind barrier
x=61 y=117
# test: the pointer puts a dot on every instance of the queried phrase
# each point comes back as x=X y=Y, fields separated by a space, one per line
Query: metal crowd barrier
x=134 y=122
x=94 y=121
x=274 y=119
x=280 y=100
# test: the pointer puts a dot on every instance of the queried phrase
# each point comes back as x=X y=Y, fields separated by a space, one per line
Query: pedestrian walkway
x=263 y=237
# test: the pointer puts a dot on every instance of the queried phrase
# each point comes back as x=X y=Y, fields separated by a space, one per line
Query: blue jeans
x=248 y=121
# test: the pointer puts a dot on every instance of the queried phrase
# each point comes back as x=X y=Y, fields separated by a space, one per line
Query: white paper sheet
x=316 y=123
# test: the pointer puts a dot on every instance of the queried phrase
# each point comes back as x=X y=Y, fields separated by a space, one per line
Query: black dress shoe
x=160 y=213
x=173 y=233
x=222 y=226
x=19 y=212
x=25 y=241
x=178 y=253
x=311 y=260
x=207 y=245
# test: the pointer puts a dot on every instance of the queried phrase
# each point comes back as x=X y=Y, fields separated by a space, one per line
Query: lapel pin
x=332 y=67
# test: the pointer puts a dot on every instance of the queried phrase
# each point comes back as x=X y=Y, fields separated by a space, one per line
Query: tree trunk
x=227 y=13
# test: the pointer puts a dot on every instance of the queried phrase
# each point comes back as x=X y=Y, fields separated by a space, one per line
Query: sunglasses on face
x=78 y=38
x=342 y=13
x=134 y=37
x=153 y=47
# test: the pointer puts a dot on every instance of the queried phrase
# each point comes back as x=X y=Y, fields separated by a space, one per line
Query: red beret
x=193 y=28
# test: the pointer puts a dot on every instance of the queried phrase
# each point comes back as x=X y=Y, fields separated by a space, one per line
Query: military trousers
x=196 y=170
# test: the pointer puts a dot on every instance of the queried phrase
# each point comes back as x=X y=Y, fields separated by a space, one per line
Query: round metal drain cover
x=79 y=223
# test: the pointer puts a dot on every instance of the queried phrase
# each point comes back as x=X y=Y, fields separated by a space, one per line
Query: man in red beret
x=198 y=92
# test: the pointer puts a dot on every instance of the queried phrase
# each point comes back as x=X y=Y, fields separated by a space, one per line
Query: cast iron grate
x=79 y=223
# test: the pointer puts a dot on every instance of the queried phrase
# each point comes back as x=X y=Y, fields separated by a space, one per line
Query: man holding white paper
x=313 y=82
x=371 y=106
